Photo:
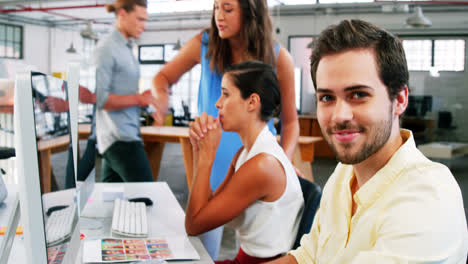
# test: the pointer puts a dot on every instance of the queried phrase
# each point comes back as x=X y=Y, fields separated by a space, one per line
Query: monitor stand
x=90 y=224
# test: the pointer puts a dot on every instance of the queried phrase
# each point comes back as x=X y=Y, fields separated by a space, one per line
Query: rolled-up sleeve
x=104 y=62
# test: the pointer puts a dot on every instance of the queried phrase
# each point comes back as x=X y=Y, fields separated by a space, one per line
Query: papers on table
x=108 y=250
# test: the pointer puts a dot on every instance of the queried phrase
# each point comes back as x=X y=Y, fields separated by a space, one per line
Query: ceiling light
x=434 y=72
x=177 y=46
x=71 y=49
x=88 y=32
x=418 y=20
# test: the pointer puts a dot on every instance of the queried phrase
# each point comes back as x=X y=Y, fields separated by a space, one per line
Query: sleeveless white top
x=266 y=229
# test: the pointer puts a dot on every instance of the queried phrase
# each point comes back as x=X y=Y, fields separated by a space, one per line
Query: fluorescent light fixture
x=344 y=1
x=418 y=20
x=88 y=32
x=178 y=45
x=171 y=6
x=434 y=72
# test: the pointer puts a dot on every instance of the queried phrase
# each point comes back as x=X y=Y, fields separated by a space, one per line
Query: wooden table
x=309 y=126
x=45 y=149
x=155 y=137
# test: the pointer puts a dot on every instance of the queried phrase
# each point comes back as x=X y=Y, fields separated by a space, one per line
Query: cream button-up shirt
x=410 y=211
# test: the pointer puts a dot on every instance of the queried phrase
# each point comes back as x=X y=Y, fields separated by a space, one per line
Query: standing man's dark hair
x=356 y=34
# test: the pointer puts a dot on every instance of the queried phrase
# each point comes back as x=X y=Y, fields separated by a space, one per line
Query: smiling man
x=385 y=201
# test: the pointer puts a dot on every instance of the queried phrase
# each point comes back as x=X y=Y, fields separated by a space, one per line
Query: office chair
x=5 y=153
x=312 y=194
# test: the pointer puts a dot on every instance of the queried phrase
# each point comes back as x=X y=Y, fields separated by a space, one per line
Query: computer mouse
x=55 y=208
x=146 y=200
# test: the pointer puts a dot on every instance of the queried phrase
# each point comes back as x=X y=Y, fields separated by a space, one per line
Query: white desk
x=9 y=213
x=165 y=217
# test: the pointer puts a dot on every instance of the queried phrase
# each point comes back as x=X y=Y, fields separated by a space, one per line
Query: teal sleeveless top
x=208 y=94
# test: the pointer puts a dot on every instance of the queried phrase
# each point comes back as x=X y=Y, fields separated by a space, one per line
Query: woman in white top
x=261 y=196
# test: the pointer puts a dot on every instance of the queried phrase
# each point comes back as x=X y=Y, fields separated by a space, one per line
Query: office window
x=449 y=55
x=87 y=78
x=418 y=54
x=11 y=41
x=184 y=90
x=300 y=48
x=156 y=53
x=441 y=54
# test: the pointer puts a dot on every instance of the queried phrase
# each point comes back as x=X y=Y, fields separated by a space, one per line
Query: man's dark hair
x=260 y=78
x=357 y=34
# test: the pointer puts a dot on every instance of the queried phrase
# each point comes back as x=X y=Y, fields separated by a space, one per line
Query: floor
x=172 y=171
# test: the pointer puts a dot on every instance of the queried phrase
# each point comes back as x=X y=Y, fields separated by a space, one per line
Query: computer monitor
x=84 y=186
x=418 y=105
x=298 y=88
x=9 y=217
x=41 y=120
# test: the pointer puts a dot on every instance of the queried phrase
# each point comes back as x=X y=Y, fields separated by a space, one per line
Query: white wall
x=60 y=42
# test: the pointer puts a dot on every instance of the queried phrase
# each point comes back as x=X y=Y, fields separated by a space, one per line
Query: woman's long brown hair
x=257 y=32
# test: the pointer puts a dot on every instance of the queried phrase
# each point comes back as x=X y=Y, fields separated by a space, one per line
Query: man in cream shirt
x=385 y=201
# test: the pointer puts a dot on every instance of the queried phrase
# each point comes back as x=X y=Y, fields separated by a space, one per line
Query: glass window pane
x=449 y=54
x=18 y=34
x=9 y=50
x=2 y=32
x=2 y=49
x=9 y=33
x=418 y=54
x=17 y=51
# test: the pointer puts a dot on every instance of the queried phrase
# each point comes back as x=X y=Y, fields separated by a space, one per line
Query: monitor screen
x=419 y=105
x=50 y=106
x=46 y=169
x=52 y=124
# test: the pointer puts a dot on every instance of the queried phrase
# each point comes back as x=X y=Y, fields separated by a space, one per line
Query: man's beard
x=378 y=135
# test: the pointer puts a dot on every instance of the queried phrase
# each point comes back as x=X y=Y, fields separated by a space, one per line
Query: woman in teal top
x=208 y=94
x=240 y=30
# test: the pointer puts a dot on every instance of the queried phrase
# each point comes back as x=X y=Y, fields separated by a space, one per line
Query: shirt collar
x=118 y=37
x=376 y=186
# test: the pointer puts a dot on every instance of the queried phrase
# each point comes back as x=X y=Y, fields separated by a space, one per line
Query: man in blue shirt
x=118 y=102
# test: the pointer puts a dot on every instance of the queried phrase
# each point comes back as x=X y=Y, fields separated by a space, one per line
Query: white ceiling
x=75 y=13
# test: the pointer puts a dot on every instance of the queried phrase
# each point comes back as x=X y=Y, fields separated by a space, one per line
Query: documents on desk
x=109 y=250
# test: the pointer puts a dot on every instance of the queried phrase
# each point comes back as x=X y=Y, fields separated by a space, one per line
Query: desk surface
x=166 y=217
x=9 y=214
x=54 y=143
